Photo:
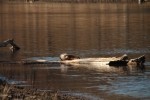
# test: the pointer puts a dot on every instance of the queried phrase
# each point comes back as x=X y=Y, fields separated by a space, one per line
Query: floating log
x=110 y=64
x=109 y=61
x=76 y=61
x=91 y=61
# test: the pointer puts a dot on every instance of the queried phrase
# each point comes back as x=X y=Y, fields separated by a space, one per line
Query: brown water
x=88 y=30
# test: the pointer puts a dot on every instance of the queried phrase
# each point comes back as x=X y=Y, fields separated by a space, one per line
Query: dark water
x=88 y=30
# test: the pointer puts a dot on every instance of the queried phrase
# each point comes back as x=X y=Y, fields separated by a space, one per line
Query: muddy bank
x=12 y=92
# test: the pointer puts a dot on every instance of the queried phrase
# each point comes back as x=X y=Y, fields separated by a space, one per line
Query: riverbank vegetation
x=12 y=92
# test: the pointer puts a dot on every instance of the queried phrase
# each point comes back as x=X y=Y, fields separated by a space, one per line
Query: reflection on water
x=89 y=30
x=80 y=79
x=124 y=85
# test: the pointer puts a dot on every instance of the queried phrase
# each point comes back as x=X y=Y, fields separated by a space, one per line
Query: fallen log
x=91 y=61
x=14 y=46
x=109 y=64
x=109 y=61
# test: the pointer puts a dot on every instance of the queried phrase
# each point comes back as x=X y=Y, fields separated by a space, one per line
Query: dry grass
x=11 y=92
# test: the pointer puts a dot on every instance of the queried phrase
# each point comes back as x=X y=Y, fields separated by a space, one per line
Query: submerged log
x=12 y=43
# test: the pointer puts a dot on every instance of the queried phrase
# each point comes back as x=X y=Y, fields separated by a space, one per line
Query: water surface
x=88 y=30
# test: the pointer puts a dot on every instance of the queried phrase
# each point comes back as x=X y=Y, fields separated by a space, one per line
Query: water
x=88 y=30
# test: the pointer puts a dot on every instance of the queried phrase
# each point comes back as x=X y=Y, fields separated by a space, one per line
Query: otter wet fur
x=66 y=56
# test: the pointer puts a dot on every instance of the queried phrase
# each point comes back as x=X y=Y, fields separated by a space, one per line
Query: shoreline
x=11 y=92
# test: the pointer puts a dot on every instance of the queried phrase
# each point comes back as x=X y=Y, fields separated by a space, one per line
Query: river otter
x=66 y=56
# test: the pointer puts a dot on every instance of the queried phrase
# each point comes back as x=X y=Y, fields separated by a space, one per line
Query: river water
x=45 y=30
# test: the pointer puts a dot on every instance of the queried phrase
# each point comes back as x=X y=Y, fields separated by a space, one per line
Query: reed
x=12 y=92
x=4 y=90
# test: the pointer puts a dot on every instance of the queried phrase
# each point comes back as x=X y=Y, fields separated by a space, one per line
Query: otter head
x=66 y=56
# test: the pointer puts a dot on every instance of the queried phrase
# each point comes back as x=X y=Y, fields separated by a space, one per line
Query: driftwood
x=101 y=61
x=92 y=62
x=136 y=61
x=111 y=61
x=14 y=46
